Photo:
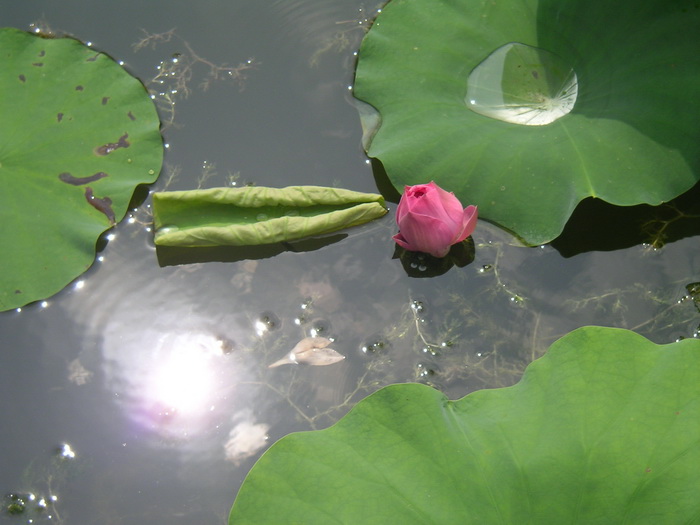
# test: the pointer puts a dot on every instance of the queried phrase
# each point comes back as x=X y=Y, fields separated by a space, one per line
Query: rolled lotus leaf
x=257 y=215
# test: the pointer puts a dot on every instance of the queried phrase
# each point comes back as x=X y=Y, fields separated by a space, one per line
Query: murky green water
x=142 y=393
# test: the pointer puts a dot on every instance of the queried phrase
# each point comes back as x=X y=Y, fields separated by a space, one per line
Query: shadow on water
x=173 y=256
x=596 y=225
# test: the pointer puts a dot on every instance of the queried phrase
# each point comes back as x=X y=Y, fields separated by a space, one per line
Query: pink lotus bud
x=431 y=220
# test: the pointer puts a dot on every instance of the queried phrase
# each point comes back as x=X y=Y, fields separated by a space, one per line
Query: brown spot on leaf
x=105 y=100
x=131 y=115
x=22 y=78
x=38 y=64
x=42 y=53
x=59 y=117
x=78 y=88
x=108 y=148
x=103 y=204
x=92 y=58
x=79 y=181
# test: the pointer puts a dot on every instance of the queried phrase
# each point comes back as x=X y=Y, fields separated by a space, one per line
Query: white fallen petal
x=245 y=440
x=319 y=357
x=310 y=351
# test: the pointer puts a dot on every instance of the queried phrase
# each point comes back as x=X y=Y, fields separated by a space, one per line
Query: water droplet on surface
x=261 y=217
x=319 y=328
x=375 y=345
x=424 y=370
x=266 y=322
x=65 y=451
x=429 y=350
x=417 y=306
x=522 y=84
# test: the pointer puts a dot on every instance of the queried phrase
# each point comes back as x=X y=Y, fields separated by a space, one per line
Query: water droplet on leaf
x=522 y=84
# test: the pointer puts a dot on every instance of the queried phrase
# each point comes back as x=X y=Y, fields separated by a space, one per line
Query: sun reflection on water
x=182 y=382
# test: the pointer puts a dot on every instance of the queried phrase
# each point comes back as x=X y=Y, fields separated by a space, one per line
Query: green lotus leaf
x=258 y=215
x=526 y=107
x=78 y=134
x=605 y=428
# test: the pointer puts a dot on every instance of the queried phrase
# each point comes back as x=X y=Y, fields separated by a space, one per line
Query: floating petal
x=311 y=351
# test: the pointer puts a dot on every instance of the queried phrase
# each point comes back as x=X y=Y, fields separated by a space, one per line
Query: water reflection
x=181 y=380
x=171 y=369
x=245 y=440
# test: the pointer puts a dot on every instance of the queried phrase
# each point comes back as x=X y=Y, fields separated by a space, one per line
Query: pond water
x=142 y=394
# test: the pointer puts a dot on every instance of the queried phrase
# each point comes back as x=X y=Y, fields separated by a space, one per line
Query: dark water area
x=141 y=393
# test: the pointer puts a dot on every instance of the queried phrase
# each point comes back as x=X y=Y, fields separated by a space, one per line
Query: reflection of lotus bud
x=310 y=351
x=431 y=220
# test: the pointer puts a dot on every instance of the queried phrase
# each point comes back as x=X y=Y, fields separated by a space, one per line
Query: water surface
x=141 y=393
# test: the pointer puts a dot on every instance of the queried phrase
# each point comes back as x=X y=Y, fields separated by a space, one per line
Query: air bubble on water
x=418 y=306
x=306 y=303
x=517 y=300
x=266 y=322
x=424 y=370
x=485 y=268
x=65 y=451
x=374 y=345
x=320 y=328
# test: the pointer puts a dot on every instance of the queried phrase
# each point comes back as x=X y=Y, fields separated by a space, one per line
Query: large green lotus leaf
x=631 y=137
x=605 y=428
x=257 y=215
x=78 y=134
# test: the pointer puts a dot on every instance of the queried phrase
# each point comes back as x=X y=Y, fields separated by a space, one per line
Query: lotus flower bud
x=431 y=220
